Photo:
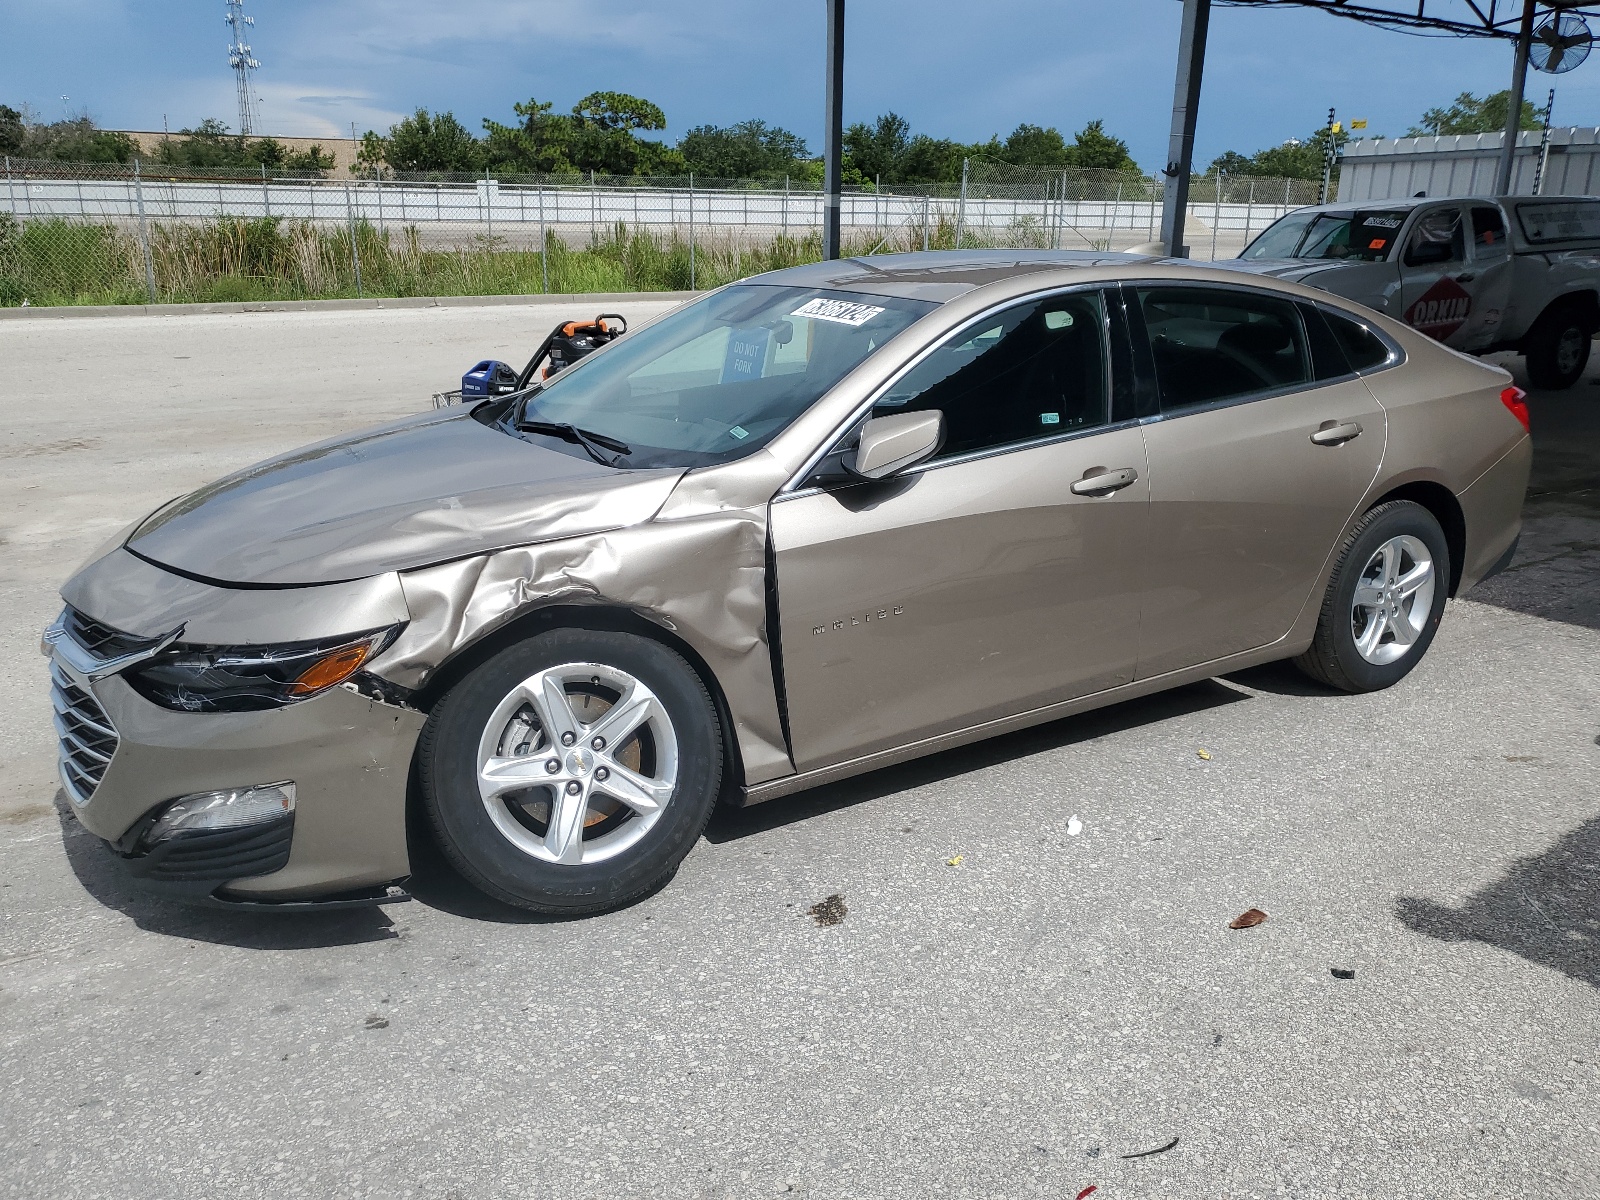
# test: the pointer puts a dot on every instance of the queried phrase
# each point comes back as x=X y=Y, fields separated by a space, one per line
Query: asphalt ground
x=1417 y=1017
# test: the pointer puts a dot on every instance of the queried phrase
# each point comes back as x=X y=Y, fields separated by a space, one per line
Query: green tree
x=13 y=131
x=599 y=134
x=1031 y=146
x=1297 y=158
x=875 y=151
x=77 y=139
x=1473 y=114
x=749 y=150
x=428 y=141
x=1097 y=149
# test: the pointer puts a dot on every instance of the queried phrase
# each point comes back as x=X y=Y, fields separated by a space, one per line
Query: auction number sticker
x=841 y=312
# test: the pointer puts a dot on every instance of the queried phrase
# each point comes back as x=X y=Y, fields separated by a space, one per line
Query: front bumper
x=348 y=755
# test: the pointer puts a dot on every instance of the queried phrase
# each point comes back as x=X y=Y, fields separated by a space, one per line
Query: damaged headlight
x=249 y=678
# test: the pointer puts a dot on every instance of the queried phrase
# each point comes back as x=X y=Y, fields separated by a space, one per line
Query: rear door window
x=1212 y=345
x=1488 y=231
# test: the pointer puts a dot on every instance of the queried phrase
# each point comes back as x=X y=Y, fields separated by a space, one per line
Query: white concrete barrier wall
x=489 y=206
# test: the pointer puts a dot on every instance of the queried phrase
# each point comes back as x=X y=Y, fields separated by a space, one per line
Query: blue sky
x=958 y=69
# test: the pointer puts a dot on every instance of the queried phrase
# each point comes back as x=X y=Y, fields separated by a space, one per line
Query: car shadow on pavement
x=1546 y=909
x=729 y=824
x=97 y=870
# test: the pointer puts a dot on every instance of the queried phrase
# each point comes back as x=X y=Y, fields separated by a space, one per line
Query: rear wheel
x=1384 y=601
x=1557 y=349
x=572 y=772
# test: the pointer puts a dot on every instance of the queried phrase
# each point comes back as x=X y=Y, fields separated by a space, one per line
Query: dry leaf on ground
x=1249 y=919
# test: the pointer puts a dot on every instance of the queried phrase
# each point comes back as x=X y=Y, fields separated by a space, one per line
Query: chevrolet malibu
x=811 y=524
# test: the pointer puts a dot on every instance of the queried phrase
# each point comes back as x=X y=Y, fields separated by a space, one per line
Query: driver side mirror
x=896 y=443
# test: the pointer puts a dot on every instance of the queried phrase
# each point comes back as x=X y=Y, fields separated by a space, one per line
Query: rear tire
x=1557 y=349
x=572 y=772
x=1384 y=601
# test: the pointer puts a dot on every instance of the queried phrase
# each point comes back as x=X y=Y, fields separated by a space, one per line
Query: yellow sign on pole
x=1361 y=124
x=1338 y=127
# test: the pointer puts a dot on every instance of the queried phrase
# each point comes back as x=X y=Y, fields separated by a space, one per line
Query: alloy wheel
x=1569 y=350
x=577 y=763
x=1393 y=599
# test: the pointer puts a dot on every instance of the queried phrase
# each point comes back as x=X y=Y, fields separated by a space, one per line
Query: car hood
x=417 y=492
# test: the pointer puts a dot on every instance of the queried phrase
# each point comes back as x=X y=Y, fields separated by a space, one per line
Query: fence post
x=144 y=232
x=691 y=231
x=10 y=193
x=594 y=210
x=355 y=250
x=785 y=203
x=1216 y=211
x=266 y=196
x=925 y=219
x=377 y=185
x=488 y=208
x=961 y=210
x=544 y=244
x=1249 y=211
x=1152 y=213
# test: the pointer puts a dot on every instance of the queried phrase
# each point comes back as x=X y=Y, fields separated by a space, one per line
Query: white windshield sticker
x=841 y=311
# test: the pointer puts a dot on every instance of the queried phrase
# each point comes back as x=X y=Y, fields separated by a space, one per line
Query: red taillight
x=1516 y=400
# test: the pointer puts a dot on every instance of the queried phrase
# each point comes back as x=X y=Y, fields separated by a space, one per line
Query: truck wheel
x=572 y=772
x=1557 y=349
x=1383 y=602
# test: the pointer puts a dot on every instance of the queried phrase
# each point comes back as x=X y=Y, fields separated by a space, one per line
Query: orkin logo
x=877 y=614
x=1441 y=310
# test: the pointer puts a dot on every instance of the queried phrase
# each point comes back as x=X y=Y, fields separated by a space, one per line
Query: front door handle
x=1334 y=433
x=1097 y=481
x=1466 y=276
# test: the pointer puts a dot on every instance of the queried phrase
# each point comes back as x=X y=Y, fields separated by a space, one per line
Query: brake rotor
x=523 y=736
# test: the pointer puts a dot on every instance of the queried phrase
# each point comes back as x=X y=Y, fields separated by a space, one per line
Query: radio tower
x=241 y=62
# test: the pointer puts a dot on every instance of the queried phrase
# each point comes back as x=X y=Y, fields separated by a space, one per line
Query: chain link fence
x=111 y=234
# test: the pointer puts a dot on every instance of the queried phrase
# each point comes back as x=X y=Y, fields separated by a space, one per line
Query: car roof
x=937 y=275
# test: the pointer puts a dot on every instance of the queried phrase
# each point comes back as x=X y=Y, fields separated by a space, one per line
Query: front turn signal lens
x=1516 y=400
x=332 y=668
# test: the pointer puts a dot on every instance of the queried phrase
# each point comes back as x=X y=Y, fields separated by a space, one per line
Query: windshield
x=1366 y=236
x=714 y=380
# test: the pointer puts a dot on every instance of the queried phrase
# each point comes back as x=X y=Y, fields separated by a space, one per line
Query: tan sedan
x=810 y=524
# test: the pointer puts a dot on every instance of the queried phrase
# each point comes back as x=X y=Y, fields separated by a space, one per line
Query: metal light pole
x=1185 y=111
x=833 y=131
x=1519 y=79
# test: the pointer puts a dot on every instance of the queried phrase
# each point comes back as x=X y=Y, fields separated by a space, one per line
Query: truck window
x=1438 y=238
x=1280 y=239
x=1365 y=236
x=1488 y=229
x=1560 y=220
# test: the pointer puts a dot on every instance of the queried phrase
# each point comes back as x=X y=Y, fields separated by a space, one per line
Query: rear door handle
x=1334 y=433
x=1097 y=481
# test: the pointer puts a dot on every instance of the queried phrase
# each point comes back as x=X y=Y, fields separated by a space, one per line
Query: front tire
x=1557 y=350
x=572 y=772
x=1384 y=601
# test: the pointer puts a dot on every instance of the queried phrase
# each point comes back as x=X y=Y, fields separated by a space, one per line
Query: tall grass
x=58 y=262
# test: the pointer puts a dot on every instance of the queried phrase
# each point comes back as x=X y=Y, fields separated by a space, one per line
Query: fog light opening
x=229 y=808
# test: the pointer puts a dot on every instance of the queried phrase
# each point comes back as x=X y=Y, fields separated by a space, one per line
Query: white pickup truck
x=1481 y=275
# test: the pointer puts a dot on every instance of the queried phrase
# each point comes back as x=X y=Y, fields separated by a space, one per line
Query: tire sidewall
x=1543 y=370
x=1389 y=521
x=448 y=770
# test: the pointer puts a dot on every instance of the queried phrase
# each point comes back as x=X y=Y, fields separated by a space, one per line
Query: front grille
x=102 y=641
x=88 y=739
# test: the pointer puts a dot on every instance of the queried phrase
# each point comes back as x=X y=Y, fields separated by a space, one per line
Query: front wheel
x=572 y=772
x=1557 y=350
x=1384 y=601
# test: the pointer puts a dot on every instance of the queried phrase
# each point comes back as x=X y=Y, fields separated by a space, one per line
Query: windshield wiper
x=595 y=443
